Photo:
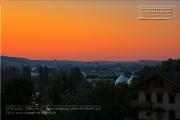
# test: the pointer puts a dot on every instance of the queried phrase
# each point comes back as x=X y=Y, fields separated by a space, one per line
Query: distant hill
x=17 y=61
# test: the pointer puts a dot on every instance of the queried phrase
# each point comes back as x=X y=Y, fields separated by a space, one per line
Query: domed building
x=121 y=79
x=130 y=79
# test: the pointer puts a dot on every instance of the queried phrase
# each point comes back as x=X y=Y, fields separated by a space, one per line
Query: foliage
x=8 y=73
x=82 y=96
x=17 y=91
x=43 y=76
x=70 y=89
x=26 y=72
x=61 y=83
x=171 y=65
x=114 y=100
x=76 y=76
x=166 y=66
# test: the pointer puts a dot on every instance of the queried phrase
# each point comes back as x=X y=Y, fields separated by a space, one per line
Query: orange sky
x=86 y=31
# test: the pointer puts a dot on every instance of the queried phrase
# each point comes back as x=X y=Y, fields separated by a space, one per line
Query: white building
x=158 y=97
x=123 y=79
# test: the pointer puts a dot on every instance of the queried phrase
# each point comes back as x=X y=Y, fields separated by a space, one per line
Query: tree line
x=8 y=73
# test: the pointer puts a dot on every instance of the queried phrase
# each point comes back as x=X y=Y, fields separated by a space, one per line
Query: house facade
x=158 y=97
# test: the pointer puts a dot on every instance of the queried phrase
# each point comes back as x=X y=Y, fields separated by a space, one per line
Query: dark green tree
x=40 y=76
x=76 y=76
x=26 y=72
x=2 y=74
x=45 y=76
x=70 y=84
x=112 y=100
x=8 y=73
x=61 y=83
x=17 y=91
x=171 y=65
x=7 y=77
x=14 y=71
x=64 y=81
x=80 y=97
x=55 y=90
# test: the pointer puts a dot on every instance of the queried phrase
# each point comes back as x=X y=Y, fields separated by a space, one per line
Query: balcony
x=140 y=104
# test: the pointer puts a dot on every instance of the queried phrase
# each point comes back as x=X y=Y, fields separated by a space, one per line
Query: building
x=124 y=79
x=158 y=96
x=121 y=79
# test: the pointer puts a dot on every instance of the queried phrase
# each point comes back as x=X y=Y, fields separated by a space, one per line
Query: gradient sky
x=87 y=30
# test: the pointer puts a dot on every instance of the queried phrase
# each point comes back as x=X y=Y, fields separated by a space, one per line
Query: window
x=159 y=83
x=171 y=98
x=148 y=97
x=159 y=98
x=171 y=114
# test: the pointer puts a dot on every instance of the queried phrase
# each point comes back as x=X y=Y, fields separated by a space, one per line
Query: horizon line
x=88 y=60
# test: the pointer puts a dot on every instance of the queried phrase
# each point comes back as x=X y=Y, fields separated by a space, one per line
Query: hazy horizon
x=86 y=60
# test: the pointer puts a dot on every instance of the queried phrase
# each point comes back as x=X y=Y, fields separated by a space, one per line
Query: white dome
x=121 y=79
x=130 y=79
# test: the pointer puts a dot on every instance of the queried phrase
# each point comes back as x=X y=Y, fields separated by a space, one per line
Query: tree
x=17 y=91
x=7 y=77
x=171 y=65
x=2 y=74
x=40 y=76
x=61 y=83
x=43 y=75
x=64 y=80
x=112 y=99
x=8 y=73
x=76 y=76
x=55 y=90
x=80 y=97
x=26 y=72
x=70 y=84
